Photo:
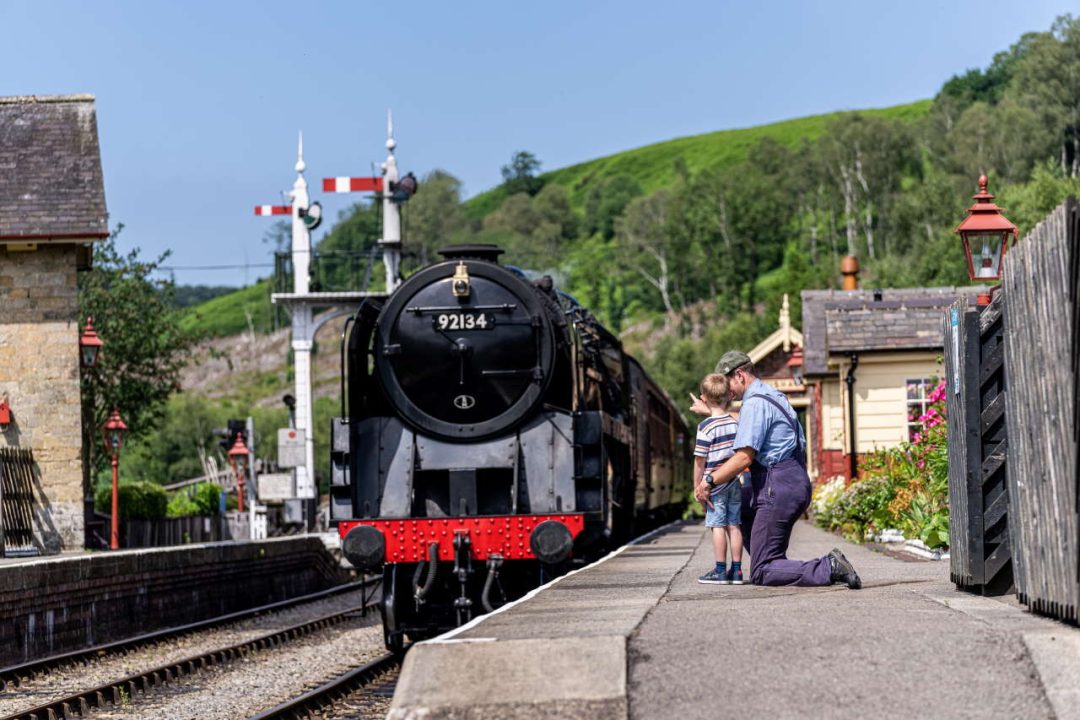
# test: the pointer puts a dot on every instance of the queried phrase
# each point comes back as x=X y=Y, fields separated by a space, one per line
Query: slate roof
x=839 y=321
x=50 y=169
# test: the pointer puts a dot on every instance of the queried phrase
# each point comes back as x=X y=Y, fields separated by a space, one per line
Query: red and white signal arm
x=291 y=448
x=352 y=184
x=266 y=210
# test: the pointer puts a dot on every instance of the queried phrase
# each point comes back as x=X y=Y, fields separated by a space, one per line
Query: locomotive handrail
x=344 y=367
x=419 y=309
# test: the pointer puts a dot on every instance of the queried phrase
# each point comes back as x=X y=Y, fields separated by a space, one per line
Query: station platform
x=636 y=636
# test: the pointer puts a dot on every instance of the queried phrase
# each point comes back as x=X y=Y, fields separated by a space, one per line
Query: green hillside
x=231 y=314
x=652 y=166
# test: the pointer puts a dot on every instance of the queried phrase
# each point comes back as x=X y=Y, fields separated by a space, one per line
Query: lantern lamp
x=238 y=458
x=114 y=431
x=795 y=363
x=89 y=345
x=986 y=233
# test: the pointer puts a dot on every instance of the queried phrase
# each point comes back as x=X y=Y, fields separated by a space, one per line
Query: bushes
x=200 y=499
x=137 y=500
x=149 y=501
x=905 y=488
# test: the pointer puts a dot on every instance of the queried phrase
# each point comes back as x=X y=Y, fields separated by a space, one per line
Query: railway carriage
x=494 y=435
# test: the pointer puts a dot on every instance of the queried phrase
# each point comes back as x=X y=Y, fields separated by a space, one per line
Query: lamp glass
x=985 y=249
x=89 y=355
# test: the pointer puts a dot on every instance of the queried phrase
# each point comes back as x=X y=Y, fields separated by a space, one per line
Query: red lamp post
x=988 y=230
x=114 y=439
x=89 y=345
x=238 y=458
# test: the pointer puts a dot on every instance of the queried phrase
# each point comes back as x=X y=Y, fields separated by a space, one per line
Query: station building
x=52 y=209
x=871 y=358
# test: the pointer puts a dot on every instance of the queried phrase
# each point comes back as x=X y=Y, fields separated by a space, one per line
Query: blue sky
x=199 y=103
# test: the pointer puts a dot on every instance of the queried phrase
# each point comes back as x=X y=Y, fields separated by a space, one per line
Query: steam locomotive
x=495 y=434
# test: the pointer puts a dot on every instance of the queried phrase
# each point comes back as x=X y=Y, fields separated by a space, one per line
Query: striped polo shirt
x=716 y=440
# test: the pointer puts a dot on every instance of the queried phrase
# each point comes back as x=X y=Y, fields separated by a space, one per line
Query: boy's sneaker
x=734 y=577
x=714 y=578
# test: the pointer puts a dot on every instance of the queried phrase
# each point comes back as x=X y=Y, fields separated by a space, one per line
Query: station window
x=917 y=391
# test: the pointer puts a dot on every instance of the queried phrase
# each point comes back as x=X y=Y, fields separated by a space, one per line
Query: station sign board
x=291 y=448
x=276 y=486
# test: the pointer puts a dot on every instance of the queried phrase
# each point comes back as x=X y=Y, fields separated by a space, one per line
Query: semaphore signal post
x=301 y=302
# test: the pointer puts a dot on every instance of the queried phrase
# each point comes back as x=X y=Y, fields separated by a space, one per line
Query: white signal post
x=336 y=304
x=302 y=329
x=302 y=332
x=390 y=242
x=391 y=239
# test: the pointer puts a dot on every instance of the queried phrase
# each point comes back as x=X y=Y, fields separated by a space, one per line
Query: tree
x=644 y=246
x=433 y=216
x=145 y=348
x=520 y=175
x=605 y=200
x=1047 y=80
x=343 y=255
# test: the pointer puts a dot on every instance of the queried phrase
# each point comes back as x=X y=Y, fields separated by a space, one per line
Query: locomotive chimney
x=474 y=251
x=849 y=268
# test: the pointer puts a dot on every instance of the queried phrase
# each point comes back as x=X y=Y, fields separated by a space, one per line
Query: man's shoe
x=842 y=570
x=735 y=577
x=714 y=578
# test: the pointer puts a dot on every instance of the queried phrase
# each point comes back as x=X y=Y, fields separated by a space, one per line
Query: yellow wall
x=880 y=399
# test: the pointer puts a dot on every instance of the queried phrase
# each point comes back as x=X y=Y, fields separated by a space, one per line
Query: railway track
x=361 y=693
x=125 y=689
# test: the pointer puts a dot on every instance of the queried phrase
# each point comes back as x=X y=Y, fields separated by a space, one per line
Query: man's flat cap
x=731 y=361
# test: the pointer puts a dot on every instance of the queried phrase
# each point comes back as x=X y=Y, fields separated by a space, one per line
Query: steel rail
x=14 y=674
x=116 y=691
x=320 y=698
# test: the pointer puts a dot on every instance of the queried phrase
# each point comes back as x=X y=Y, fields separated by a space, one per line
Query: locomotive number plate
x=464 y=321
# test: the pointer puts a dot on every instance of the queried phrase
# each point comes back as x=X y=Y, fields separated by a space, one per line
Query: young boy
x=715 y=437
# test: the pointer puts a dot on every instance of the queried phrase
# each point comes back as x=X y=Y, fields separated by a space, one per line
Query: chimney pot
x=849 y=268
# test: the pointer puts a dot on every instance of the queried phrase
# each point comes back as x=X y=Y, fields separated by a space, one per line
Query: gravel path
x=250 y=685
x=65 y=681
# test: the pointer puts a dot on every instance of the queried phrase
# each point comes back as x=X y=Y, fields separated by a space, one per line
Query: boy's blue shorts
x=727 y=506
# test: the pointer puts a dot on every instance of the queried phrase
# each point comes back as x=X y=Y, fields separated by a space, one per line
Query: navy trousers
x=781 y=496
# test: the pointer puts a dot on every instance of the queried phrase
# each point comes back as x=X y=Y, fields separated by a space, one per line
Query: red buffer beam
x=352 y=184
x=273 y=210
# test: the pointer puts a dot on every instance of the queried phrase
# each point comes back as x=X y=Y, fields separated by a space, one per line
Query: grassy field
x=652 y=166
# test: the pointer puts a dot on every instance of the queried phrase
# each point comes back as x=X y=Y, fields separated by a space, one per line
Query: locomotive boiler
x=494 y=435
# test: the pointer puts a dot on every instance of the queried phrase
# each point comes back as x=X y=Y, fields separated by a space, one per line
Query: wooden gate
x=980 y=549
x=17 y=503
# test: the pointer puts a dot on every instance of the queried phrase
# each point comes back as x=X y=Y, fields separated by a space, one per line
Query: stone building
x=52 y=208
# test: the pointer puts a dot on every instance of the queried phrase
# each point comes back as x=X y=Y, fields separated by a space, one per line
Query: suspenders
x=800 y=449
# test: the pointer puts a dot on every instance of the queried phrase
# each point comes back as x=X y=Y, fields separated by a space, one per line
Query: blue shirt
x=764 y=428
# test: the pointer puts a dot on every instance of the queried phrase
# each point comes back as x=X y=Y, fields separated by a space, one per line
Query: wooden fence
x=1040 y=292
x=182 y=530
x=979 y=539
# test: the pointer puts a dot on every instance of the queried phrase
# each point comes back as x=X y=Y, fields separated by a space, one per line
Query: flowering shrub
x=825 y=497
x=904 y=488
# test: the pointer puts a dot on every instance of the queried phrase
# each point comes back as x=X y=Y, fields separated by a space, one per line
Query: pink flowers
x=937 y=394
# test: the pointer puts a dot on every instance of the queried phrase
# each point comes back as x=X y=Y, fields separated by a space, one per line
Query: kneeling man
x=771 y=441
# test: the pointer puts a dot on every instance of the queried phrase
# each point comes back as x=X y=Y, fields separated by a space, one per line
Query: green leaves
x=145 y=347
